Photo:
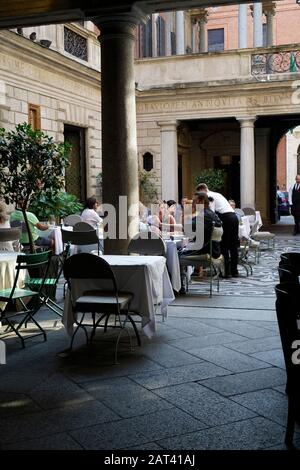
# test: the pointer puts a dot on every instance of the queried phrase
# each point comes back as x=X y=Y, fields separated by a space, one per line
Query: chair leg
x=138 y=338
x=97 y=324
x=15 y=330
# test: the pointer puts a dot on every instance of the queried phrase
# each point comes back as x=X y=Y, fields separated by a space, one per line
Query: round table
x=8 y=272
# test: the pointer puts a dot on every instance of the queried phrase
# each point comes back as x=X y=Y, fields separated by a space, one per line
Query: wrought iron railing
x=275 y=62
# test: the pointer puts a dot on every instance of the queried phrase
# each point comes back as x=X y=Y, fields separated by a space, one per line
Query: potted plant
x=48 y=204
x=30 y=161
x=214 y=178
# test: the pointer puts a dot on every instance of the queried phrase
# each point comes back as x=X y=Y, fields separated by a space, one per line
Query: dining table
x=146 y=277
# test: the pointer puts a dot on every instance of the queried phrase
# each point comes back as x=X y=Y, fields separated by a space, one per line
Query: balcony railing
x=275 y=62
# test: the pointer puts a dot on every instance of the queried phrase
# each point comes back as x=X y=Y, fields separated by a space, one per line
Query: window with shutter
x=215 y=40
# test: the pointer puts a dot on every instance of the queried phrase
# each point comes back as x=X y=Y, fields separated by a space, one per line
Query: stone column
x=257 y=25
x=169 y=159
x=269 y=10
x=119 y=142
x=180 y=33
x=243 y=27
x=168 y=33
x=262 y=172
x=195 y=35
x=202 y=30
x=247 y=161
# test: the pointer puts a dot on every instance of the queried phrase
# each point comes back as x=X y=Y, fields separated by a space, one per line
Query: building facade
x=50 y=77
x=215 y=88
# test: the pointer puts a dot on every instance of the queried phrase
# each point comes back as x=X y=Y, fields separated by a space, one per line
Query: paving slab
x=55 y=421
x=252 y=434
x=167 y=356
x=177 y=375
x=192 y=344
x=199 y=312
x=53 y=442
x=125 y=397
x=109 y=436
x=232 y=302
x=240 y=327
x=273 y=357
x=16 y=403
x=204 y=404
x=229 y=359
x=193 y=326
x=268 y=403
x=56 y=391
x=172 y=422
x=246 y=381
x=256 y=345
x=132 y=365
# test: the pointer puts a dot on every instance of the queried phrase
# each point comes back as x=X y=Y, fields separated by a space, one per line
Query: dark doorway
x=75 y=177
x=231 y=165
x=179 y=178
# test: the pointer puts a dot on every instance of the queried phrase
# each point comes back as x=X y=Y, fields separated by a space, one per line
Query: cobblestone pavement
x=212 y=378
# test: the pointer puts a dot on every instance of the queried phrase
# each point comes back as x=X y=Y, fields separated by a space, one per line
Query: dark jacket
x=210 y=220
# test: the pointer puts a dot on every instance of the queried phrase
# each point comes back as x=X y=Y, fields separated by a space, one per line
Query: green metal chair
x=25 y=301
x=50 y=283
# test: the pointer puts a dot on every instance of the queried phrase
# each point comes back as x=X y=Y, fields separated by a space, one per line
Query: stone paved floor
x=212 y=378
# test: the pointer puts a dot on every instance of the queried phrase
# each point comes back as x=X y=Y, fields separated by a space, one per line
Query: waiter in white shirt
x=230 y=223
x=294 y=200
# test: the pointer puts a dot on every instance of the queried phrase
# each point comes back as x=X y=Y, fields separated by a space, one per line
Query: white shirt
x=91 y=217
x=219 y=203
x=291 y=192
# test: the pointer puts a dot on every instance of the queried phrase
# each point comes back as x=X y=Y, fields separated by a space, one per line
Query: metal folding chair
x=29 y=300
x=102 y=301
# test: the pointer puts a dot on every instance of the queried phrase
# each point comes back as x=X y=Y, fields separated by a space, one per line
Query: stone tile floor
x=212 y=378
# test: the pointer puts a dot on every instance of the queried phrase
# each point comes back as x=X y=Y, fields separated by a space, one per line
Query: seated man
x=34 y=225
x=210 y=220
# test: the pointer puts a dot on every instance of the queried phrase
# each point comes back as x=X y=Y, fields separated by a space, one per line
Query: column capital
x=166 y=126
x=120 y=25
x=200 y=15
x=269 y=8
x=246 y=121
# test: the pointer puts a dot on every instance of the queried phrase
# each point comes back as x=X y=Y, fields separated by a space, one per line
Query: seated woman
x=34 y=226
x=4 y=223
x=209 y=221
x=89 y=213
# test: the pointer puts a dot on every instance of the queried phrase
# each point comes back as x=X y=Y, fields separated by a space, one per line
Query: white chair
x=10 y=239
x=72 y=219
x=146 y=243
x=262 y=236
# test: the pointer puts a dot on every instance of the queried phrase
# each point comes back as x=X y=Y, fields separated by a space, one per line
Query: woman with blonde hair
x=4 y=218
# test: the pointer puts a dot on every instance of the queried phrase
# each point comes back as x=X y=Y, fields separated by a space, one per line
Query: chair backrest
x=288 y=274
x=34 y=264
x=10 y=234
x=88 y=266
x=82 y=227
x=254 y=228
x=79 y=238
x=145 y=243
x=288 y=317
x=72 y=219
x=291 y=258
x=240 y=212
x=249 y=211
x=216 y=235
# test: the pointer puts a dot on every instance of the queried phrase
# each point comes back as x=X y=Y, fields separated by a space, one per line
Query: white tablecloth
x=8 y=272
x=146 y=277
x=244 y=227
x=56 y=232
x=247 y=222
x=173 y=263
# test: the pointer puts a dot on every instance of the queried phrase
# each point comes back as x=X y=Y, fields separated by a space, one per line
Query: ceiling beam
x=16 y=13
